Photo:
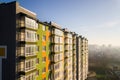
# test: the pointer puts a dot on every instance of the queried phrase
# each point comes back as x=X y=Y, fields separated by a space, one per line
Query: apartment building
x=86 y=57
x=79 y=57
x=74 y=45
x=43 y=34
x=39 y=50
x=19 y=33
x=68 y=55
x=84 y=51
x=57 y=52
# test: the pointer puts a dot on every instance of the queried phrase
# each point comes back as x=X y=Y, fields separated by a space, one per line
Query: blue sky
x=98 y=20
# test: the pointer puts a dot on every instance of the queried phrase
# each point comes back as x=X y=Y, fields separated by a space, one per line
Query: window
x=56 y=48
x=59 y=57
x=44 y=79
x=49 y=29
x=43 y=27
x=37 y=48
x=37 y=37
x=57 y=66
x=22 y=23
x=31 y=36
x=44 y=70
x=58 y=32
x=28 y=78
x=31 y=23
x=44 y=59
x=44 y=48
x=37 y=60
x=30 y=64
x=27 y=65
x=37 y=72
x=43 y=38
x=31 y=50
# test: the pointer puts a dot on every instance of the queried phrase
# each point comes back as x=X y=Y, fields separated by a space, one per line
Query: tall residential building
x=57 y=52
x=43 y=34
x=84 y=51
x=39 y=50
x=19 y=33
x=74 y=44
x=79 y=57
x=86 y=56
x=68 y=55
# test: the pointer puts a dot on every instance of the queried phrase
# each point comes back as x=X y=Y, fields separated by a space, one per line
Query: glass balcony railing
x=21 y=52
x=27 y=35
x=23 y=68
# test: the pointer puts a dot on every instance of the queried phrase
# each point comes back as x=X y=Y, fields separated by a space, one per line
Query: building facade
x=43 y=34
x=39 y=50
x=84 y=57
x=57 y=52
x=79 y=58
x=74 y=45
x=68 y=55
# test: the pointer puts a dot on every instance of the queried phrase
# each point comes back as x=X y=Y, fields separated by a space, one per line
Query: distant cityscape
x=104 y=60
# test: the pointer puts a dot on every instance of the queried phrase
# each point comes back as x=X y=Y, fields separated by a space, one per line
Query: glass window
x=44 y=79
x=37 y=60
x=44 y=59
x=44 y=70
x=43 y=28
x=43 y=38
x=37 y=72
x=44 y=48
x=37 y=37
x=37 y=48
x=22 y=23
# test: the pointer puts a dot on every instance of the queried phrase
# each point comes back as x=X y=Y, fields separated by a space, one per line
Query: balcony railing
x=22 y=68
x=66 y=54
x=21 y=52
x=22 y=36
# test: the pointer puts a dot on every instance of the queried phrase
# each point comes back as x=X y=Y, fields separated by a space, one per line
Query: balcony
x=66 y=41
x=56 y=57
x=27 y=36
x=66 y=60
x=68 y=35
x=23 y=54
x=28 y=23
x=66 y=74
x=66 y=66
x=58 y=32
x=66 y=54
x=21 y=68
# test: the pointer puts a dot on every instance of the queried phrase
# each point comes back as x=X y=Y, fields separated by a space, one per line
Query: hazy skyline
x=98 y=20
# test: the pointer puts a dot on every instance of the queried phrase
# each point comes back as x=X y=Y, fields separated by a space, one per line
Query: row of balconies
x=56 y=57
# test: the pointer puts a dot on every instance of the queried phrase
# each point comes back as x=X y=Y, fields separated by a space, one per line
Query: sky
x=97 y=20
